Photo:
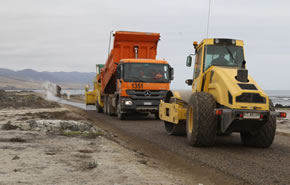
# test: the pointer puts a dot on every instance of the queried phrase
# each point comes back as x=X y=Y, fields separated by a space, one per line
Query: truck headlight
x=128 y=102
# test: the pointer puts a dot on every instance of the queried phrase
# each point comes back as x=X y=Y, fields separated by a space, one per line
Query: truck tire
x=156 y=114
x=201 y=123
x=175 y=129
x=98 y=107
x=121 y=116
x=109 y=107
x=265 y=135
x=106 y=105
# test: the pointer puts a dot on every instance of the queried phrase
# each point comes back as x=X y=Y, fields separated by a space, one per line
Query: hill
x=31 y=79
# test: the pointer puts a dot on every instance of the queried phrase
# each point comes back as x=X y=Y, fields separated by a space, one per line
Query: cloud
x=71 y=35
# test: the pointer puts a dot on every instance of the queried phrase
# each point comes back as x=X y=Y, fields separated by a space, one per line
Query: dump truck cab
x=223 y=99
x=141 y=84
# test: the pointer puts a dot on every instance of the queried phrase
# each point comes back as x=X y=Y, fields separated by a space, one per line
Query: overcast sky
x=73 y=35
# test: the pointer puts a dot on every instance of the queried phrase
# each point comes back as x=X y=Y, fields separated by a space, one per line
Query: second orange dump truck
x=132 y=79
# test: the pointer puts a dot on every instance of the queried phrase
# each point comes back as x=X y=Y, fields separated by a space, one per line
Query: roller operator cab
x=223 y=99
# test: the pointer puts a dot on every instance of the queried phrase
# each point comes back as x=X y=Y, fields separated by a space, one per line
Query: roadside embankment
x=42 y=142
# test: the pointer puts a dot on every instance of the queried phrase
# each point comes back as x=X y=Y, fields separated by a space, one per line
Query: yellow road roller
x=223 y=99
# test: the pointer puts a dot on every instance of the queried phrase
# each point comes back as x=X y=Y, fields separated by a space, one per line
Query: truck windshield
x=146 y=72
x=223 y=55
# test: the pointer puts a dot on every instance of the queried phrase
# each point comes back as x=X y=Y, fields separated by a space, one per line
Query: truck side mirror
x=188 y=61
x=171 y=73
x=189 y=82
x=118 y=74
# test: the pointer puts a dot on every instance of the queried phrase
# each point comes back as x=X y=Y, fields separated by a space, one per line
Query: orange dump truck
x=132 y=80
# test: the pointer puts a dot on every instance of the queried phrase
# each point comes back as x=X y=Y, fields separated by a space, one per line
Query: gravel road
x=228 y=162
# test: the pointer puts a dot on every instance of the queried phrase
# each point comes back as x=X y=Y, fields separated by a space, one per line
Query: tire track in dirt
x=228 y=160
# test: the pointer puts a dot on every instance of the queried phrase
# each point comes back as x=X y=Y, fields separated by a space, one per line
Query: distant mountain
x=56 y=77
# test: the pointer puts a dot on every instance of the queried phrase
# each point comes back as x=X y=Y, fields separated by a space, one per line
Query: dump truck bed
x=124 y=48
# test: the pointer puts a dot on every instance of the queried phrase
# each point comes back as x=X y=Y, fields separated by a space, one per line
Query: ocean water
x=279 y=96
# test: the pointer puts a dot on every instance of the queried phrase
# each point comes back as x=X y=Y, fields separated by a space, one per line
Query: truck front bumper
x=136 y=105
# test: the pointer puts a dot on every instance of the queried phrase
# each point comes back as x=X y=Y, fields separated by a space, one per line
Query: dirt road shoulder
x=62 y=145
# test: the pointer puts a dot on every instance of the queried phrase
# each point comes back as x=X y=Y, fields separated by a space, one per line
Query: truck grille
x=146 y=94
x=250 y=98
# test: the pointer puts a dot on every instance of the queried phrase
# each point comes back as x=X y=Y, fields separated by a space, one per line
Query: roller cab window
x=223 y=55
x=197 y=64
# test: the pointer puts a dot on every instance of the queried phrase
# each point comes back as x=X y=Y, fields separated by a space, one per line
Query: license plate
x=251 y=115
x=147 y=103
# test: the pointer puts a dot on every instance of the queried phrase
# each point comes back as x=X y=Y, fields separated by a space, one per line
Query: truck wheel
x=120 y=115
x=98 y=107
x=175 y=129
x=109 y=107
x=106 y=105
x=265 y=135
x=201 y=123
x=156 y=114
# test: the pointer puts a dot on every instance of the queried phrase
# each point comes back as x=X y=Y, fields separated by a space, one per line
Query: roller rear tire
x=264 y=137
